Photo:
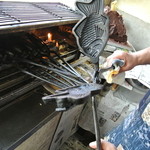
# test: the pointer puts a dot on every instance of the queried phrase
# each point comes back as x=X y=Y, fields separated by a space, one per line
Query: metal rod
x=56 y=79
x=65 y=67
x=51 y=82
x=70 y=68
x=76 y=73
x=96 y=124
x=94 y=108
x=51 y=69
x=102 y=7
x=72 y=79
x=66 y=78
x=68 y=75
x=67 y=54
x=61 y=81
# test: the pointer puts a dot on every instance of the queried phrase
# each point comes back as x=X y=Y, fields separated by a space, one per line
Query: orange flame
x=45 y=57
x=49 y=36
x=57 y=45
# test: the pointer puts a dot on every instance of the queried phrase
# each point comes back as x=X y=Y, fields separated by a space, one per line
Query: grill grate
x=21 y=14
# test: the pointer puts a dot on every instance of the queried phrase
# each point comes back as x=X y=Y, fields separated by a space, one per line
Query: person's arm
x=105 y=145
x=131 y=59
x=143 y=56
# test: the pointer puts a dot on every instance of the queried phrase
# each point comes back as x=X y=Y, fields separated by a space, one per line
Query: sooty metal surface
x=14 y=83
x=32 y=56
x=20 y=16
x=92 y=34
x=92 y=30
x=72 y=96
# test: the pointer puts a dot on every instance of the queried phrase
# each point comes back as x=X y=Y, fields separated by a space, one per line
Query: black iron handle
x=118 y=62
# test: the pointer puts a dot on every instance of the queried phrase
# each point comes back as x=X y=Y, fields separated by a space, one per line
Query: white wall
x=136 y=15
x=137 y=8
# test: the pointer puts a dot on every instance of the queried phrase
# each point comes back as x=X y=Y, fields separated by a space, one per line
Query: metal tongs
x=91 y=33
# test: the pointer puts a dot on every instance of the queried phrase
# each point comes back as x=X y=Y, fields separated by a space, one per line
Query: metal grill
x=26 y=62
x=21 y=15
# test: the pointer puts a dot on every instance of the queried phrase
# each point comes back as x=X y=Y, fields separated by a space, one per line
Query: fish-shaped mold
x=91 y=31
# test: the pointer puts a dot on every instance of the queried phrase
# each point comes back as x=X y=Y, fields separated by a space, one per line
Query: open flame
x=49 y=36
x=57 y=45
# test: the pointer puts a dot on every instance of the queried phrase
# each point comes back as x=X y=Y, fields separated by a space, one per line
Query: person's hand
x=105 y=145
x=129 y=58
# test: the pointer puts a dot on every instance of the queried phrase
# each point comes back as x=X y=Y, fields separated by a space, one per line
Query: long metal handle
x=96 y=124
x=118 y=62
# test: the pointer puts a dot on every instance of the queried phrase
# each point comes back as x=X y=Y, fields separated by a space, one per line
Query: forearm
x=143 y=56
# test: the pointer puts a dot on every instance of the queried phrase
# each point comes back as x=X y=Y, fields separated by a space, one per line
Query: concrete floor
x=79 y=141
x=73 y=143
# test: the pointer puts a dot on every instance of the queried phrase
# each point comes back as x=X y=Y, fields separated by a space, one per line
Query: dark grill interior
x=13 y=84
x=28 y=56
x=37 y=49
x=27 y=61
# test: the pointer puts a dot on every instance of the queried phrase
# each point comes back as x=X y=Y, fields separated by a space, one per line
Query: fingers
x=93 y=144
x=129 y=59
x=105 y=145
x=116 y=55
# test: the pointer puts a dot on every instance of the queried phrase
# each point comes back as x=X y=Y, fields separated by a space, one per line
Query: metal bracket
x=72 y=96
